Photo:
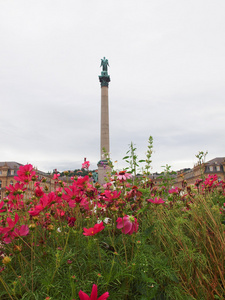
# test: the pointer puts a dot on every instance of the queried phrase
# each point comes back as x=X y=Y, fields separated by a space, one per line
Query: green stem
x=20 y=280
x=6 y=287
x=124 y=248
x=31 y=248
x=110 y=272
x=99 y=254
x=32 y=257
x=57 y=267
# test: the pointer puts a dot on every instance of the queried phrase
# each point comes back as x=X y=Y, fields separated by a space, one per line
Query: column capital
x=104 y=78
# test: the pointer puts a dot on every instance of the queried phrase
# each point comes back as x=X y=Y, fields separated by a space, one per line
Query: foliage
x=201 y=157
x=168 y=178
x=148 y=156
x=168 y=249
x=201 y=160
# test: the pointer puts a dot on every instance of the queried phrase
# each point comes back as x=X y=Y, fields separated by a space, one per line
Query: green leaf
x=125 y=157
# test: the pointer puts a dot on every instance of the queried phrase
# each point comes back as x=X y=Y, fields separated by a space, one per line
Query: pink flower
x=23 y=231
x=94 y=294
x=107 y=185
x=11 y=224
x=128 y=224
x=174 y=191
x=92 y=231
x=210 y=182
x=110 y=196
x=56 y=176
x=156 y=200
x=1 y=206
x=11 y=232
x=86 y=165
x=15 y=195
x=25 y=173
x=122 y=176
x=39 y=191
x=45 y=202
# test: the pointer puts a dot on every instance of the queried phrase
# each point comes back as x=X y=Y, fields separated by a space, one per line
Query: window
x=210 y=168
x=0 y=172
x=12 y=172
x=11 y=182
x=0 y=184
x=218 y=168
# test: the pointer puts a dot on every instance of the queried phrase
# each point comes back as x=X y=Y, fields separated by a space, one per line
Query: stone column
x=104 y=121
x=104 y=79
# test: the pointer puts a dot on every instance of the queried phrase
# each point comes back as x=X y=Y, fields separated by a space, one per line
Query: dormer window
x=217 y=168
x=11 y=172
x=211 y=168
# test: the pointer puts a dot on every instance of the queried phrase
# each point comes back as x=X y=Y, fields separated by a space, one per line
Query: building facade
x=215 y=166
x=9 y=169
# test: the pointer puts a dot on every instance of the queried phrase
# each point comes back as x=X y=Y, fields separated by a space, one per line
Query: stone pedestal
x=103 y=171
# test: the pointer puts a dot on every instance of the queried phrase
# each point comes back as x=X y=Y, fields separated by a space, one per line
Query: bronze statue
x=104 y=64
x=104 y=78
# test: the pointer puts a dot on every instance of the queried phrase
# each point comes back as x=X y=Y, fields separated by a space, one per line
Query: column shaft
x=104 y=121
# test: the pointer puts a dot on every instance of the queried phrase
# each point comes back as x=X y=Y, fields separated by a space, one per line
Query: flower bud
x=6 y=260
x=17 y=248
x=50 y=227
x=32 y=226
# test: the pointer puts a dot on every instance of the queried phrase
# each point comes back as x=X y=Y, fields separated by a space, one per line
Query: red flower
x=11 y=224
x=128 y=224
x=86 y=165
x=1 y=205
x=56 y=176
x=39 y=191
x=156 y=200
x=94 y=294
x=110 y=196
x=92 y=231
x=71 y=221
x=15 y=195
x=10 y=232
x=23 y=231
x=45 y=202
x=210 y=183
x=25 y=173
x=174 y=191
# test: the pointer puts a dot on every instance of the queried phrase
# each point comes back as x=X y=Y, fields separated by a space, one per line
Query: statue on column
x=104 y=78
x=104 y=64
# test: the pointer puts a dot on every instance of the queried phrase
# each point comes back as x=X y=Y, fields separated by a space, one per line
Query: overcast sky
x=167 y=69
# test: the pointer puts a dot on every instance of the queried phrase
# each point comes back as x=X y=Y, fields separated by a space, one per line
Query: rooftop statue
x=104 y=64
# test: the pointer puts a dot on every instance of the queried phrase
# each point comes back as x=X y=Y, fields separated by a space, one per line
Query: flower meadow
x=127 y=240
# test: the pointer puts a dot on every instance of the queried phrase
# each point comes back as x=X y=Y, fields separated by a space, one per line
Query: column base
x=103 y=171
